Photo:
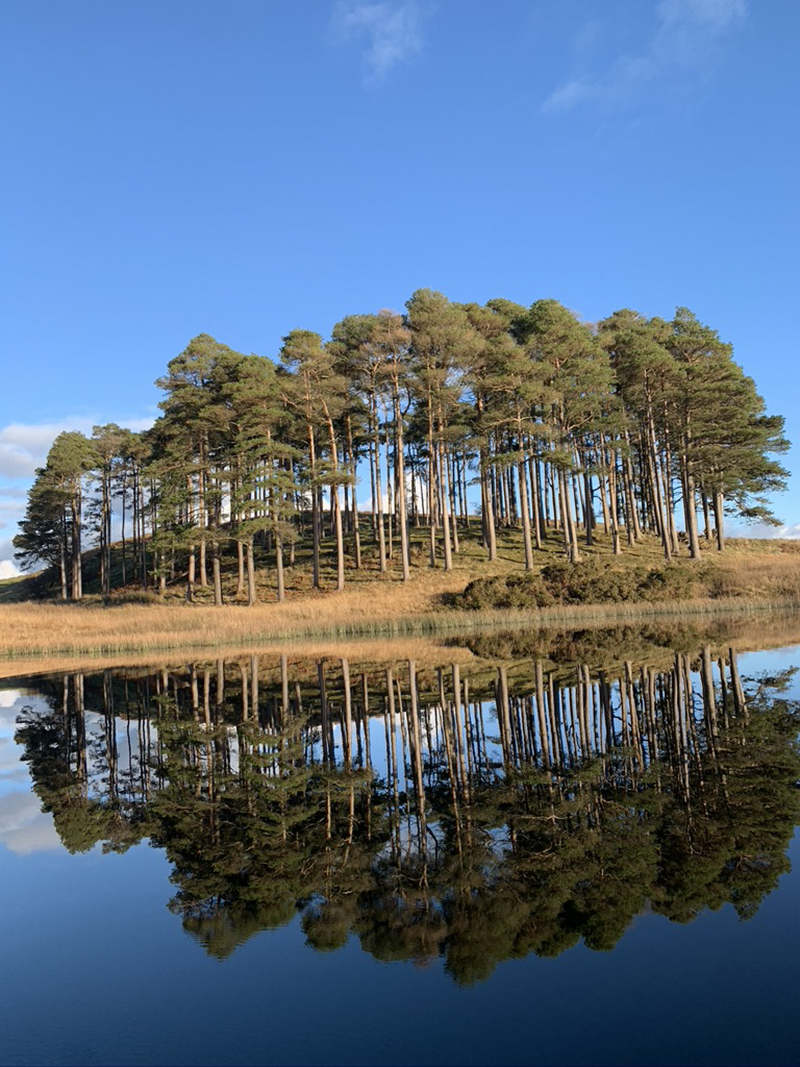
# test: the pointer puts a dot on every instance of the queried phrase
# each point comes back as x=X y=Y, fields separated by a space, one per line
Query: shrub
x=587 y=582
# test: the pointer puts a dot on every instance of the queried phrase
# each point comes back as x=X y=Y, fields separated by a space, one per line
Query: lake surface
x=574 y=849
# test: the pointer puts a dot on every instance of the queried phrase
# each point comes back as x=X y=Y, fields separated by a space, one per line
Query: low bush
x=587 y=582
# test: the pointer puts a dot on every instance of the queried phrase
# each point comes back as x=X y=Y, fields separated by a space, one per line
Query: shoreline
x=92 y=643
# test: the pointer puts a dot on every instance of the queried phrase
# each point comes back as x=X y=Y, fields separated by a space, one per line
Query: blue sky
x=243 y=168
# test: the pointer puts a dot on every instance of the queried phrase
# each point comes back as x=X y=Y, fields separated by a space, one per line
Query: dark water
x=511 y=851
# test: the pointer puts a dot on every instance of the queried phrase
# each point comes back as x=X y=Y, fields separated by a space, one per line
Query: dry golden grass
x=758 y=575
x=63 y=627
x=744 y=579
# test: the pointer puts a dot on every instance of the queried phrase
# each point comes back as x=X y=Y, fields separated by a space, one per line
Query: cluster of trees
x=527 y=415
x=477 y=814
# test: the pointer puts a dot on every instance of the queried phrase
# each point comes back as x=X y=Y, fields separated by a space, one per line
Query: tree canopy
x=528 y=417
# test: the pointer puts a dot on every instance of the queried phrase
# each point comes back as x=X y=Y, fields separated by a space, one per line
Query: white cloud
x=392 y=30
x=23 y=448
x=682 y=41
x=717 y=15
x=24 y=827
x=764 y=531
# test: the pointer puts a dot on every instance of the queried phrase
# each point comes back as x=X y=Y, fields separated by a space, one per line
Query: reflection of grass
x=749 y=575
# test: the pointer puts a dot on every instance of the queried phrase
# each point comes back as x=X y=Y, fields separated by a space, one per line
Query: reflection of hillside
x=476 y=814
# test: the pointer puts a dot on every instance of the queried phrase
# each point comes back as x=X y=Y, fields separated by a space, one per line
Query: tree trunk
x=251 y=574
x=523 y=500
x=279 y=567
x=62 y=566
x=190 y=574
x=689 y=506
x=534 y=505
x=314 y=507
x=216 y=574
x=240 y=571
x=490 y=530
x=377 y=503
x=719 y=520
x=402 y=513
x=445 y=508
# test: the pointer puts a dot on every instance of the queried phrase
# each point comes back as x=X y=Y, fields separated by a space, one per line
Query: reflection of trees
x=94 y=791
x=477 y=814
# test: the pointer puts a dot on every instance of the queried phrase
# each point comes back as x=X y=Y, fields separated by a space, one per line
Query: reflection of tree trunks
x=395 y=774
x=417 y=746
x=255 y=710
x=365 y=713
x=555 y=727
x=540 y=714
x=245 y=712
x=327 y=746
x=348 y=713
x=284 y=685
x=504 y=717
x=452 y=774
x=739 y=703
x=80 y=732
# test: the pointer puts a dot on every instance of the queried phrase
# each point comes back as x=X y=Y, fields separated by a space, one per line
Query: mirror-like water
x=428 y=860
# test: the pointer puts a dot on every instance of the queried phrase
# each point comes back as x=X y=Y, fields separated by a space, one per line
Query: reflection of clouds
x=24 y=827
x=12 y=769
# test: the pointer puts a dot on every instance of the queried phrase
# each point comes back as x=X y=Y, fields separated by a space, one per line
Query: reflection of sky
x=24 y=827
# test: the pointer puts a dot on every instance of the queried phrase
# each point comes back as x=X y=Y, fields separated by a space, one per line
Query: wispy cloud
x=683 y=38
x=24 y=446
x=392 y=29
x=763 y=531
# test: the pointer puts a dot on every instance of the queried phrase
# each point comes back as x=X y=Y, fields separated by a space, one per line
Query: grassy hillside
x=749 y=577
x=727 y=573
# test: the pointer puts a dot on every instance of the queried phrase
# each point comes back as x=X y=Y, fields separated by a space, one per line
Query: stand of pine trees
x=547 y=424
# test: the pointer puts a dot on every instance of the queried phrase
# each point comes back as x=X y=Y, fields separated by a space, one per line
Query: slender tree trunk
x=202 y=516
x=314 y=507
x=490 y=531
x=279 y=567
x=612 y=503
x=378 y=496
x=217 y=575
x=445 y=507
x=689 y=505
x=77 y=560
x=719 y=520
x=240 y=568
x=432 y=480
x=706 y=516
x=354 y=512
x=337 y=507
x=568 y=523
x=402 y=512
x=62 y=565
x=251 y=573
x=535 y=502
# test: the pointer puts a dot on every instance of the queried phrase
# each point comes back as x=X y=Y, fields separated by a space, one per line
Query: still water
x=559 y=850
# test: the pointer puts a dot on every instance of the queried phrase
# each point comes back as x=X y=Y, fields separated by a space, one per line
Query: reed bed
x=740 y=582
